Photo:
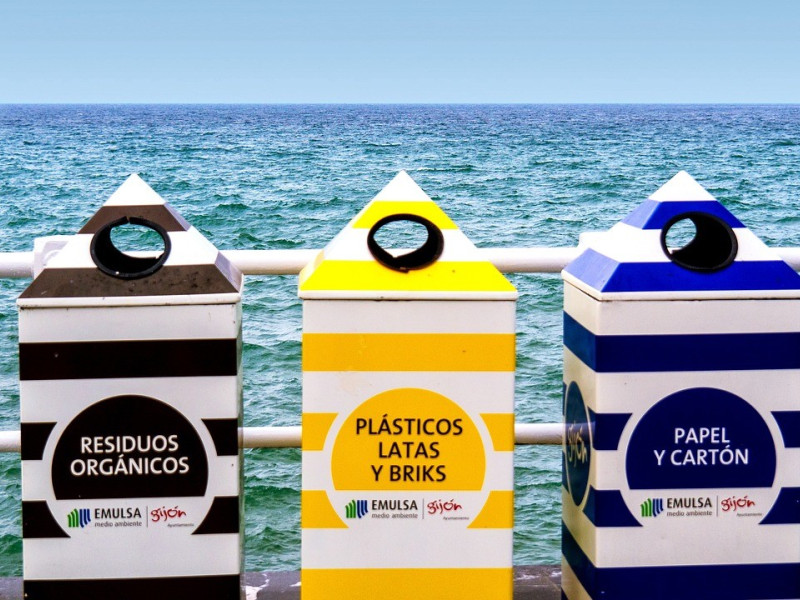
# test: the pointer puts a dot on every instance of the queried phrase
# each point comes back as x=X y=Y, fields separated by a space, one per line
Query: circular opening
x=400 y=236
x=699 y=242
x=403 y=231
x=681 y=234
x=130 y=248
x=133 y=239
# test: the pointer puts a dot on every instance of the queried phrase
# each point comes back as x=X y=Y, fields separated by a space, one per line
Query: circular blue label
x=577 y=444
x=701 y=438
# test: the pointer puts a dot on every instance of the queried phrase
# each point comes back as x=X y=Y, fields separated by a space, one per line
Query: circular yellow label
x=408 y=439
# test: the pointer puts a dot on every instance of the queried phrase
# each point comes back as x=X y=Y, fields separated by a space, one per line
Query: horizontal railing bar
x=530 y=260
x=289 y=437
x=270 y=262
x=16 y=264
x=549 y=434
x=9 y=441
x=270 y=437
x=507 y=260
x=289 y=262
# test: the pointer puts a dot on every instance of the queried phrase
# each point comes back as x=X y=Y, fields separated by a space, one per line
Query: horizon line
x=348 y=103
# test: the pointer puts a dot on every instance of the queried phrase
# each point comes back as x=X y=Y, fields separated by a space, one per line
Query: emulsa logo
x=119 y=512
x=395 y=508
x=120 y=516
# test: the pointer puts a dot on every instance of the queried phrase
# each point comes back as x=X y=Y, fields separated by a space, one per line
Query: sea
x=292 y=176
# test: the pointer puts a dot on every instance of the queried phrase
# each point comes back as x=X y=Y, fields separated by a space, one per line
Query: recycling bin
x=130 y=403
x=408 y=415
x=681 y=447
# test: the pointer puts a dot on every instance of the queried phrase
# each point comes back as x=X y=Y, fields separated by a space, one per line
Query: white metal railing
x=507 y=260
x=290 y=262
x=16 y=264
x=289 y=437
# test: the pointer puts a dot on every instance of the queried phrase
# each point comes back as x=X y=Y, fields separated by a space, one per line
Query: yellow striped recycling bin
x=408 y=412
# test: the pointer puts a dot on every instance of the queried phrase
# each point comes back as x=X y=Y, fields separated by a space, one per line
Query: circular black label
x=129 y=447
x=577 y=444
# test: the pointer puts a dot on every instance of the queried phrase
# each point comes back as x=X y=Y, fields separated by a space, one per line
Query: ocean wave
x=293 y=177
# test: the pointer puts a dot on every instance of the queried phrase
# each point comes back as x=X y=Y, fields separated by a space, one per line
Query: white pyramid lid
x=350 y=268
x=724 y=260
x=89 y=270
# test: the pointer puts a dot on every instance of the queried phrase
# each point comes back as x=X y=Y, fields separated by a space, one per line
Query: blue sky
x=402 y=51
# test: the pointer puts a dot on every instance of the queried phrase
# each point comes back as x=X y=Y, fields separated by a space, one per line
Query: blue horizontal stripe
x=654 y=215
x=593 y=268
x=607 y=275
x=580 y=341
x=789 y=424
x=698 y=352
x=607 y=508
x=786 y=509
x=576 y=558
x=607 y=429
x=709 y=582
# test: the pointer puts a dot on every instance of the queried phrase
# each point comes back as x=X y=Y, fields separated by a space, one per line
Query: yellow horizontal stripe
x=501 y=428
x=408 y=352
x=497 y=512
x=378 y=209
x=407 y=584
x=315 y=430
x=316 y=511
x=309 y=269
x=369 y=275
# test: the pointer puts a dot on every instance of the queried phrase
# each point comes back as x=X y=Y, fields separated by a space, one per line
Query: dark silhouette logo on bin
x=701 y=438
x=577 y=444
x=129 y=447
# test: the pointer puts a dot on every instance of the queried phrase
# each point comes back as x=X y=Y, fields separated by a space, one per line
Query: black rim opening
x=420 y=258
x=713 y=247
x=112 y=261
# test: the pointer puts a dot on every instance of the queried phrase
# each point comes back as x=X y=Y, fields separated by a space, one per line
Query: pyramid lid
x=90 y=270
x=724 y=259
x=447 y=266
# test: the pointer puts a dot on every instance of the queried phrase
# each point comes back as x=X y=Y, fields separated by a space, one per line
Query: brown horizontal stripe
x=147 y=358
x=162 y=214
x=225 y=433
x=218 y=587
x=229 y=270
x=38 y=521
x=222 y=517
x=178 y=280
x=33 y=438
